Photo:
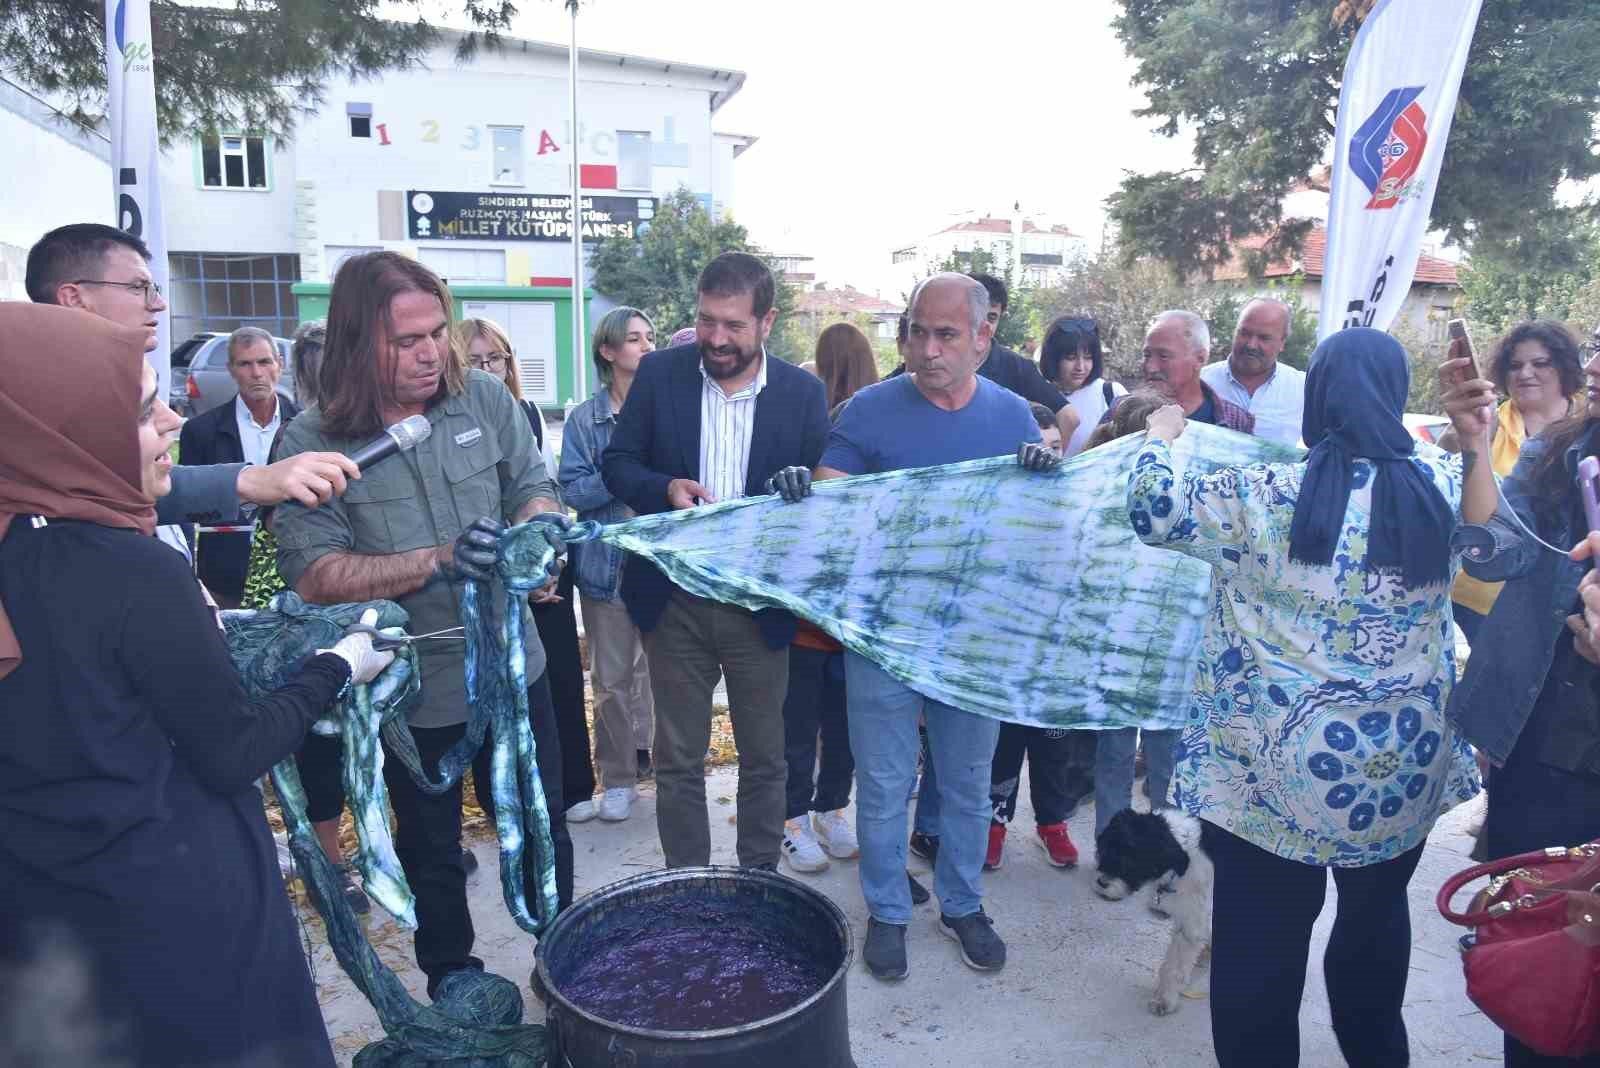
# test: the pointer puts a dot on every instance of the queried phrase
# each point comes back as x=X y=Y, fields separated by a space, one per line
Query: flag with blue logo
x=1395 y=107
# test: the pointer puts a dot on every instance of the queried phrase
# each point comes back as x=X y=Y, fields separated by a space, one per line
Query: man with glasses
x=106 y=272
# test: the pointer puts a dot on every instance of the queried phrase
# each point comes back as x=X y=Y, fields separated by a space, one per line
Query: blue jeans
x=883 y=735
x=926 y=820
x=1113 y=771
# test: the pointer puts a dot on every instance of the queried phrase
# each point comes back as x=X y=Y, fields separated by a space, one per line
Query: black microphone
x=406 y=434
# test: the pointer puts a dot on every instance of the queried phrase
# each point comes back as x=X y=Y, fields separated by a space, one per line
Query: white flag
x=136 y=149
x=1399 y=95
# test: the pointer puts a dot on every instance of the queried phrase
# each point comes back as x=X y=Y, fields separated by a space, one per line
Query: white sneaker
x=800 y=847
x=582 y=812
x=836 y=834
x=615 y=803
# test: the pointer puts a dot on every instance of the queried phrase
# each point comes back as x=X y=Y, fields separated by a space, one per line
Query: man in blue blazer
x=706 y=422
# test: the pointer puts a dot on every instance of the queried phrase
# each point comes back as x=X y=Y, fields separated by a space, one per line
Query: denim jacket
x=1517 y=643
x=597 y=566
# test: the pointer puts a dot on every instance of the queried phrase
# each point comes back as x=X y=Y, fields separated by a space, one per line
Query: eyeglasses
x=144 y=288
x=495 y=361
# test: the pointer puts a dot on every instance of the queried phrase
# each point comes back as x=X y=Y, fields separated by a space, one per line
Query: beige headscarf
x=69 y=406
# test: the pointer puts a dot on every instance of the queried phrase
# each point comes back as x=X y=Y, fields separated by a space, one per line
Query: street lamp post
x=578 y=363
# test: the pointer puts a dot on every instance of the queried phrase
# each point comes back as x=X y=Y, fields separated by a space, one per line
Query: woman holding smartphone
x=1530 y=699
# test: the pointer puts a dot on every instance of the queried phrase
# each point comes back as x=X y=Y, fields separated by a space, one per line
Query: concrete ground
x=1079 y=973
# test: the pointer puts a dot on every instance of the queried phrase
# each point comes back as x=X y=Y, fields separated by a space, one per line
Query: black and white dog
x=1162 y=848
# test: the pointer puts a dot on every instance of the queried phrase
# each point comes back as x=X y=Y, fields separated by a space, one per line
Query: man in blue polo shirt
x=939 y=412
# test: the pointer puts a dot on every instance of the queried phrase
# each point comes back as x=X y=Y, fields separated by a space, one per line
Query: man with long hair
x=413 y=530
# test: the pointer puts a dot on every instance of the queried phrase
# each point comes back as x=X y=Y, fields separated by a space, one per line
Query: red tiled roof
x=847 y=301
x=987 y=225
x=1431 y=270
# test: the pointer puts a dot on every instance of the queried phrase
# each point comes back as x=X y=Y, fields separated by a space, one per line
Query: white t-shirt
x=1089 y=401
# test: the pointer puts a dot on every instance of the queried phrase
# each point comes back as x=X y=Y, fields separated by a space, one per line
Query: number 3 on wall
x=430 y=131
x=474 y=137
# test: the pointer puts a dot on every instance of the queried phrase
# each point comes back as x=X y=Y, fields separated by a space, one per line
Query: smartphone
x=1461 y=349
x=1589 y=485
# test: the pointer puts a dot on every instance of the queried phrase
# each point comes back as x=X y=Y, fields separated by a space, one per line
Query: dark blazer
x=223 y=560
x=657 y=439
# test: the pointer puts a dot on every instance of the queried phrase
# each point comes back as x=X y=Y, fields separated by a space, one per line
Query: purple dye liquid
x=694 y=978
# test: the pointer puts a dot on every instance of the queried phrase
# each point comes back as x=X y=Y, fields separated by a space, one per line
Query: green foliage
x=1500 y=293
x=247 y=65
x=658 y=270
x=1256 y=81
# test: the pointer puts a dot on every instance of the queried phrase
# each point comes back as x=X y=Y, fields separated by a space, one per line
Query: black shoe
x=919 y=893
x=981 y=948
x=647 y=770
x=885 y=951
x=925 y=846
x=359 y=902
x=469 y=861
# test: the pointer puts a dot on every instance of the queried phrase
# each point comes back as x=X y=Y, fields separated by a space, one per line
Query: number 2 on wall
x=430 y=131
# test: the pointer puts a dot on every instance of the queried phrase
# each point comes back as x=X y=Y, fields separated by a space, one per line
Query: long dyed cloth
x=1012 y=594
x=475 y=1020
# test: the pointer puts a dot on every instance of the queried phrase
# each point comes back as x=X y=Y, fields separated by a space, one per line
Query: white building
x=1039 y=254
x=464 y=166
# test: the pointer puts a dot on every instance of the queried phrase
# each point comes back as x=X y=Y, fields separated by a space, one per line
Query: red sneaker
x=997 y=845
x=1056 y=843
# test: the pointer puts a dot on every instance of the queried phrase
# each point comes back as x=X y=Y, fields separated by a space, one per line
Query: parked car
x=200 y=378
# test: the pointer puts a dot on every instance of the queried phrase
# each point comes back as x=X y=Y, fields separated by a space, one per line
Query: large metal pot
x=814 y=1033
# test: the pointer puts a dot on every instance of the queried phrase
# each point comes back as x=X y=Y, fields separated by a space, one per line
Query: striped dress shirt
x=726 y=424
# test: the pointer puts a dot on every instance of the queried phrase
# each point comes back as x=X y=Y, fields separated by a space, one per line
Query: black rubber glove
x=1036 y=457
x=555 y=526
x=476 y=551
x=791 y=483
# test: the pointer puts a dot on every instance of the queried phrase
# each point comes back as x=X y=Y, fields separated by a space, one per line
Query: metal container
x=815 y=1033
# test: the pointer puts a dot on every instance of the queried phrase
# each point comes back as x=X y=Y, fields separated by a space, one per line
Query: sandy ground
x=1080 y=969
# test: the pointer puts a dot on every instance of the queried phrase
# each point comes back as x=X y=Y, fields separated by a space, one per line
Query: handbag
x=1532 y=963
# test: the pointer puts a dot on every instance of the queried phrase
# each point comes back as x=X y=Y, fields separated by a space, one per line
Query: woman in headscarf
x=1317 y=737
x=134 y=850
x=1530 y=697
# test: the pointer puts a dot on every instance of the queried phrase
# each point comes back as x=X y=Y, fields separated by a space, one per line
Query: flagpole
x=579 y=364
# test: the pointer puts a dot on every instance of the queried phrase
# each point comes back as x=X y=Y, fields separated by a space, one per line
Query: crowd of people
x=1326 y=730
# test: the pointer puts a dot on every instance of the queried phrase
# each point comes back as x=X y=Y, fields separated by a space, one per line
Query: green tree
x=1257 y=84
x=251 y=64
x=1501 y=292
x=657 y=271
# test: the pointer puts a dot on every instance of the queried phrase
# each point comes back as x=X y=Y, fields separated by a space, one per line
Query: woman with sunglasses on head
x=483 y=345
x=1071 y=359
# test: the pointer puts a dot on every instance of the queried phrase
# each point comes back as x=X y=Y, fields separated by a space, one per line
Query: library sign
x=521 y=216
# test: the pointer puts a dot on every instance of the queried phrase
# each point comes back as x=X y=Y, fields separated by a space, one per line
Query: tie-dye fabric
x=1013 y=594
x=1316 y=729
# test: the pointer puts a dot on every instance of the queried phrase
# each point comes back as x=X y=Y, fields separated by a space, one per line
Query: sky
x=881 y=120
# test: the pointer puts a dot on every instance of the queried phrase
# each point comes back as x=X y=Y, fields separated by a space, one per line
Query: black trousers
x=558 y=633
x=813 y=704
x=320 y=762
x=1531 y=806
x=428 y=837
x=1263 y=908
x=1057 y=779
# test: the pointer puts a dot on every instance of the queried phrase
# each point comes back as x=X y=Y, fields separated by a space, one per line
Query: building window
x=361 y=126
x=507 y=163
x=218 y=292
x=466 y=266
x=233 y=161
x=633 y=160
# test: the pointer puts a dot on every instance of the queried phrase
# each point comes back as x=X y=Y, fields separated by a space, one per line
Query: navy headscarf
x=1355 y=396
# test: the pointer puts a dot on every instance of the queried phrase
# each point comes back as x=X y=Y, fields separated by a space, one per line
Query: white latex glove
x=366 y=663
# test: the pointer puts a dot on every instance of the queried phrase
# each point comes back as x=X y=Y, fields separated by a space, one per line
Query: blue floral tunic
x=1317 y=728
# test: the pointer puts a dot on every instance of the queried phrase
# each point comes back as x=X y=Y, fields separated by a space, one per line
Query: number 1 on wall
x=383 y=133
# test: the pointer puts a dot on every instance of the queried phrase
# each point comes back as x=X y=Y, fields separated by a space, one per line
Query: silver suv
x=200 y=378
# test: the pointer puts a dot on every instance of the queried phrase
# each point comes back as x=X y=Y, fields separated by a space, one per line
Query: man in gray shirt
x=415 y=526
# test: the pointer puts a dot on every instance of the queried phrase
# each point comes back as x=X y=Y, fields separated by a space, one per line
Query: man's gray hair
x=249 y=335
x=977 y=295
x=1194 y=328
x=306 y=355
